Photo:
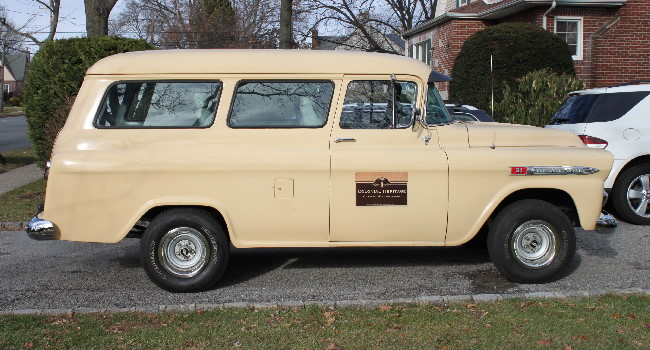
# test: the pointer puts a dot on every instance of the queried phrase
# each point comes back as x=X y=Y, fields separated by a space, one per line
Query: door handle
x=344 y=139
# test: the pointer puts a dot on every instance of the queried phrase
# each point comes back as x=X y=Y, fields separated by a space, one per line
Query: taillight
x=594 y=142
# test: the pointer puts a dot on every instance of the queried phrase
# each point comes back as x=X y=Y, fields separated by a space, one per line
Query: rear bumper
x=40 y=230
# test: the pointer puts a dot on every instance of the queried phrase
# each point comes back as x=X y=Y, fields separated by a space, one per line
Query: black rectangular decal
x=381 y=188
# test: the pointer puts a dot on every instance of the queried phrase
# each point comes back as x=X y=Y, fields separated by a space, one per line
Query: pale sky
x=72 y=18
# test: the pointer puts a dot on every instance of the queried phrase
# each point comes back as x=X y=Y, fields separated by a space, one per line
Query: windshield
x=436 y=112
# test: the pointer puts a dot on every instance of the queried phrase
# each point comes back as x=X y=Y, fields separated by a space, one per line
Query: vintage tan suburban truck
x=203 y=149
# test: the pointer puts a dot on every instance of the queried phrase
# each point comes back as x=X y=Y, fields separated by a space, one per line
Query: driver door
x=388 y=186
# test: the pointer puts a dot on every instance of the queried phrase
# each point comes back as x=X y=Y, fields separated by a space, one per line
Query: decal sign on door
x=381 y=188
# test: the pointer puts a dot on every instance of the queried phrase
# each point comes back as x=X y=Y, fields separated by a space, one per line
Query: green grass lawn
x=20 y=204
x=10 y=111
x=610 y=322
x=16 y=159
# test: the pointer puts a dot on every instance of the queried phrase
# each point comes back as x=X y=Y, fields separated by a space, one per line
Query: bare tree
x=52 y=6
x=371 y=20
x=97 y=12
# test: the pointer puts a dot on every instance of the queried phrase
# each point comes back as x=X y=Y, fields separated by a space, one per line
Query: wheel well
x=645 y=159
x=556 y=197
x=139 y=227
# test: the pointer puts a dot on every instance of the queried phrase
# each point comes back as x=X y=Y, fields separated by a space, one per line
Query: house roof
x=497 y=9
x=17 y=65
x=332 y=42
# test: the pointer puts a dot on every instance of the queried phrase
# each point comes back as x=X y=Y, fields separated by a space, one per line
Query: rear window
x=593 y=108
x=159 y=104
x=281 y=104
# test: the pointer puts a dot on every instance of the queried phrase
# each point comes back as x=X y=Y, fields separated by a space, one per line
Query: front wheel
x=184 y=250
x=531 y=241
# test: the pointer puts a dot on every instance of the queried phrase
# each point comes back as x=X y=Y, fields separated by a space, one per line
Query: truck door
x=387 y=183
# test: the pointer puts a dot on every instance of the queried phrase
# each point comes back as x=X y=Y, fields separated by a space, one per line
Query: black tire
x=531 y=241
x=184 y=250
x=631 y=195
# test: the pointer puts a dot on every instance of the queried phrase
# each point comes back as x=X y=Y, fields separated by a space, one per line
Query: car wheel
x=184 y=250
x=531 y=241
x=631 y=194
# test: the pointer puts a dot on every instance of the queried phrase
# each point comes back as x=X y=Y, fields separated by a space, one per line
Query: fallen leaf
x=631 y=317
x=383 y=308
x=617 y=316
x=471 y=305
x=543 y=342
x=568 y=347
x=334 y=346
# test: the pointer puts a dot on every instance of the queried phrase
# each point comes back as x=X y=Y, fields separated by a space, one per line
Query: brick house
x=15 y=70
x=609 y=39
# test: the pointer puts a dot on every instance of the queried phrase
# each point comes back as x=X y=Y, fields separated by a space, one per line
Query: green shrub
x=516 y=49
x=535 y=97
x=56 y=74
x=14 y=101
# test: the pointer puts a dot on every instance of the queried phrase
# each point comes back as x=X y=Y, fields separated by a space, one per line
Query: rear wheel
x=631 y=195
x=184 y=250
x=531 y=241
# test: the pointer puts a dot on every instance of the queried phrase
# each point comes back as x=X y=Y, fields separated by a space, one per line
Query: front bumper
x=40 y=230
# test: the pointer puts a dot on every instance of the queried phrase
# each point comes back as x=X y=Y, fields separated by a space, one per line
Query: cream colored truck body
x=296 y=187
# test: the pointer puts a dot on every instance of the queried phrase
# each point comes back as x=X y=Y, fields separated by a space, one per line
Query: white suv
x=618 y=119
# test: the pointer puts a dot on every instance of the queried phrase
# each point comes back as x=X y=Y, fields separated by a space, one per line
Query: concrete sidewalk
x=18 y=177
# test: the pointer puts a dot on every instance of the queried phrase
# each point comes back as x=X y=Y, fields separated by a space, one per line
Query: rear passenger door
x=387 y=184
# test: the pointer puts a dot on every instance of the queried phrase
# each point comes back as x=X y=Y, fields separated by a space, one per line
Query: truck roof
x=209 y=61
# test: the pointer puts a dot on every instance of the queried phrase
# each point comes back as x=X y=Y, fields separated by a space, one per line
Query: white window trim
x=7 y=88
x=579 y=52
x=421 y=52
x=462 y=2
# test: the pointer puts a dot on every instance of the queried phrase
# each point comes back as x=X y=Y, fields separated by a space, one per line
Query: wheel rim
x=534 y=243
x=638 y=194
x=183 y=252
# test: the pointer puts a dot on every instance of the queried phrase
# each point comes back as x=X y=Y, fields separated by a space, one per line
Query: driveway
x=13 y=133
x=61 y=275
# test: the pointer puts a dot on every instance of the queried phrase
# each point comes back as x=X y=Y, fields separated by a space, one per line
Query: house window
x=463 y=2
x=570 y=30
x=5 y=88
x=421 y=51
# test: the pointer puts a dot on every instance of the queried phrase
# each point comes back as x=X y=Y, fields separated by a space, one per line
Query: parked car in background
x=468 y=113
x=616 y=118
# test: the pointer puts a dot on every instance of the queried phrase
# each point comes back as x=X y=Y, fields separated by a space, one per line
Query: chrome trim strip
x=40 y=230
x=344 y=139
x=552 y=170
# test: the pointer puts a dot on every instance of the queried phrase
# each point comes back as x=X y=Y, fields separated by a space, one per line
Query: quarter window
x=284 y=104
x=570 y=30
x=158 y=104
x=369 y=104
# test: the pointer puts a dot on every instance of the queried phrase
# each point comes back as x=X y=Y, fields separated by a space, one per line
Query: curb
x=423 y=300
x=13 y=226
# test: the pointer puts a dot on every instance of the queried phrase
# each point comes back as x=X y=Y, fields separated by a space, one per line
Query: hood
x=512 y=135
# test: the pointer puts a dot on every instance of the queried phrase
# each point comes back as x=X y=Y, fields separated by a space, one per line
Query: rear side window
x=592 y=108
x=159 y=104
x=281 y=104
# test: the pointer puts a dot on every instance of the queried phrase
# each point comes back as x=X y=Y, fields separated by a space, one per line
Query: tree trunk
x=97 y=12
x=286 y=35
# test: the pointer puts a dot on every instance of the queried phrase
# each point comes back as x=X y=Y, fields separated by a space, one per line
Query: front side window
x=281 y=104
x=369 y=104
x=436 y=112
x=570 y=30
x=159 y=104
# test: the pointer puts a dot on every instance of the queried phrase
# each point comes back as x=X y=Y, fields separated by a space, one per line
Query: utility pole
x=286 y=30
x=2 y=69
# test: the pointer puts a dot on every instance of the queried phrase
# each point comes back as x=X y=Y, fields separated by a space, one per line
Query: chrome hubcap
x=183 y=252
x=638 y=195
x=534 y=243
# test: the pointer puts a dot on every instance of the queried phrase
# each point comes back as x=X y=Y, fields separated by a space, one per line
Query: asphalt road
x=13 y=133
x=61 y=275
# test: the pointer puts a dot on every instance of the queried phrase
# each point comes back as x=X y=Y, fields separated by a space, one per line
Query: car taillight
x=594 y=142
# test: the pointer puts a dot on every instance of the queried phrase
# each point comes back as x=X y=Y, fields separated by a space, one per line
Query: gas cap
x=631 y=134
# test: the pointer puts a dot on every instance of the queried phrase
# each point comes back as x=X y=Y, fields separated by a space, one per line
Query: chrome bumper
x=40 y=230
x=606 y=220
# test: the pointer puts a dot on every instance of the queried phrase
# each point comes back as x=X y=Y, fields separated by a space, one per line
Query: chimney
x=315 y=45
